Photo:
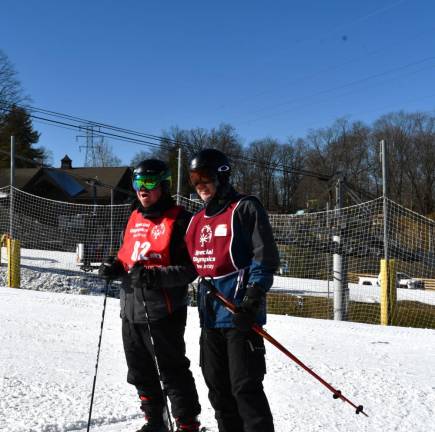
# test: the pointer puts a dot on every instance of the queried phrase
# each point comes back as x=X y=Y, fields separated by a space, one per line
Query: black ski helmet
x=212 y=163
x=153 y=171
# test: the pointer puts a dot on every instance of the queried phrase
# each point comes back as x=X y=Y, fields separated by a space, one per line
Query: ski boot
x=151 y=427
x=156 y=420
x=187 y=424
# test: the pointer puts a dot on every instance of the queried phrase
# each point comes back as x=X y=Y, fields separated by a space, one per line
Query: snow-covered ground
x=360 y=293
x=48 y=346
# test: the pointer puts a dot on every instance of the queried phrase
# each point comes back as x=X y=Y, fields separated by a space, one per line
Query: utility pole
x=179 y=176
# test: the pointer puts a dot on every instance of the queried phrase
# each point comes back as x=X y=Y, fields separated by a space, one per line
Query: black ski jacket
x=169 y=289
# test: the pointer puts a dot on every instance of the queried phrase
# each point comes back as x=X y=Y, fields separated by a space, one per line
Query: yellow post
x=388 y=292
x=13 y=248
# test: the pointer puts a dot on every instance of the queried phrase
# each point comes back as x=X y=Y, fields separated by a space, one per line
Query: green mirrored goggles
x=148 y=182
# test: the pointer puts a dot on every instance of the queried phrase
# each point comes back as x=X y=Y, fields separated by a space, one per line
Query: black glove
x=110 y=269
x=142 y=277
x=246 y=313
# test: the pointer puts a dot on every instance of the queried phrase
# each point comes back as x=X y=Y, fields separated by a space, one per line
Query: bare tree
x=265 y=154
x=11 y=92
x=46 y=159
x=292 y=157
x=104 y=156
x=341 y=149
x=140 y=156
x=396 y=130
x=420 y=162
x=191 y=141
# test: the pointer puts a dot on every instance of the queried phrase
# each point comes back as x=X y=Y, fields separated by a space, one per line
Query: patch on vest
x=220 y=230
x=158 y=231
x=205 y=235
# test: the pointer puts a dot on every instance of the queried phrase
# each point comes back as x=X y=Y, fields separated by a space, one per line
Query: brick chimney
x=66 y=163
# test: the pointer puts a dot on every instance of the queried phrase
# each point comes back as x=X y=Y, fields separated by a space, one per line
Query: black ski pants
x=233 y=365
x=170 y=350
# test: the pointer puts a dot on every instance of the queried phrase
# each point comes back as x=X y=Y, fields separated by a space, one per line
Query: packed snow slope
x=48 y=347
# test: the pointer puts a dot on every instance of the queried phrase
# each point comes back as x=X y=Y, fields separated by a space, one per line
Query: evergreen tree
x=17 y=122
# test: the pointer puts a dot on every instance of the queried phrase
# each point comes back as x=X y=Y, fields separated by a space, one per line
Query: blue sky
x=271 y=69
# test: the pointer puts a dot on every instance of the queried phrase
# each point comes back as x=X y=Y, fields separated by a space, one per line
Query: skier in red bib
x=231 y=240
x=155 y=269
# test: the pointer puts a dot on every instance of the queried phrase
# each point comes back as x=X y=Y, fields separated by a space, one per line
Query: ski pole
x=336 y=394
x=156 y=361
x=107 y=284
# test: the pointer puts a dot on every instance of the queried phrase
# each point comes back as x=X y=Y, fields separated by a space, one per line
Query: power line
x=340 y=65
x=274 y=166
x=356 y=20
x=159 y=145
x=328 y=101
x=93 y=123
x=333 y=89
x=101 y=132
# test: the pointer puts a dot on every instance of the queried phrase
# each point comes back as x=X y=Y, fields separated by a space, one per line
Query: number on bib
x=140 y=250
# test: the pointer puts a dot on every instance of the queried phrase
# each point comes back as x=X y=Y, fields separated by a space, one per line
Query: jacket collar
x=225 y=195
x=157 y=209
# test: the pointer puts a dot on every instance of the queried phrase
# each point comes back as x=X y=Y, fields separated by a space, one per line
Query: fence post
x=388 y=292
x=341 y=289
x=388 y=271
x=13 y=250
x=11 y=194
x=112 y=203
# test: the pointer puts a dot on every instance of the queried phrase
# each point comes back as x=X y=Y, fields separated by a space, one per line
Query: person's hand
x=135 y=276
x=110 y=269
x=246 y=313
x=142 y=277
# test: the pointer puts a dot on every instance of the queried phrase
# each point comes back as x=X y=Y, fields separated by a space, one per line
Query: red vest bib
x=209 y=241
x=148 y=240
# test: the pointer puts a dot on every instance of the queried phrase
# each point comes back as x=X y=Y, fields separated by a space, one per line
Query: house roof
x=76 y=182
x=66 y=182
x=22 y=176
x=106 y=177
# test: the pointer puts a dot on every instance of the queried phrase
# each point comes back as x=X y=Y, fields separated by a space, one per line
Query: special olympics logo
x=205 y=235
x=158 y=231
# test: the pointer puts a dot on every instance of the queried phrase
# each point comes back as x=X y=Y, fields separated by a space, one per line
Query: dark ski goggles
x=148 y=182
x=198 y=177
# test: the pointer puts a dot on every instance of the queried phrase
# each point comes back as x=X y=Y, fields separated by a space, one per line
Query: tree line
x=301 y=173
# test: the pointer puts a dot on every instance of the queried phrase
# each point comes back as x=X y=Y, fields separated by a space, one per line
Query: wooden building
x=81 y=185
